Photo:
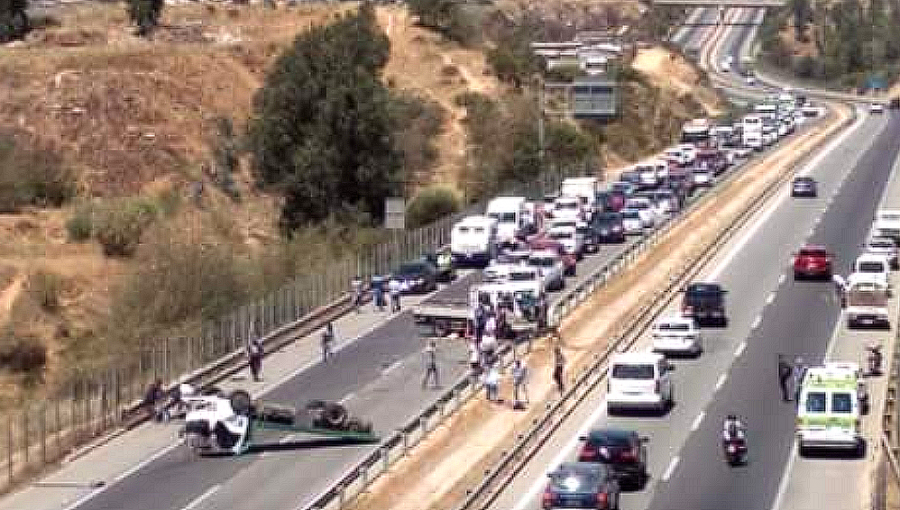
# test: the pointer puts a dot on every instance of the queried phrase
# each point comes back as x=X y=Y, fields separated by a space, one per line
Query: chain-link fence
x=83 y=405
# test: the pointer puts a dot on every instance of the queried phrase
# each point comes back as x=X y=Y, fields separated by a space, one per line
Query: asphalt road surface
x=769 y=314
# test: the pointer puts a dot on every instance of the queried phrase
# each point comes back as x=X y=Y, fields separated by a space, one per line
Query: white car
x=567 y=208
x=872 y=267
x=639 y=381
x=677 y=335
x=750 y=80
x=497 y=271
x=876 y=108
x=551 y=268
x=645 y=208
x=526 y=278
x=689 y=150
x=648 y=174
x=702 y=178
x=632 y=223
x=677 y=155
x=886 y=247
x=570 y=238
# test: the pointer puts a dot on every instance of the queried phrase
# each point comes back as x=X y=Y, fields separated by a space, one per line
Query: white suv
x=639 y=381
x=677 y=335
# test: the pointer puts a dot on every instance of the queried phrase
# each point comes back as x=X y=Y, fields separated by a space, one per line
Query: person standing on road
x=840 y=289
x=559 y=365
x=431 y=369
x=784 y=377
x=357 y=287
x=327 y=342
x=474 y=361
x=394 y=288
x=520 y=384
x=378 y=293
x=799 y=370
x=254 y=358
x=492 y=383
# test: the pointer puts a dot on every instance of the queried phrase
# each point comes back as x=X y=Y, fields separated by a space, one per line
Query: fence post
x=25 y=438
x=9 y=454
x=43 y=435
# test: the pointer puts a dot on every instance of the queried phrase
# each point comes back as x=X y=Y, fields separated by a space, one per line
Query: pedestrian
x=784 y=377
x=520 y=384
x=153 y=398
x=799 y=370
x=542 y=310
x=559 y=365
x=254 y=358
x=431 y=369
x=840 y=288
x=474 y=360
x=492 y=383
x=394 y=288
x=357 y=287
x=327 y=342
x=378 y=293
x=480 y=320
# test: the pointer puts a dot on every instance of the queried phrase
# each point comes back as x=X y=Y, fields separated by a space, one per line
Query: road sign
x=395 y=213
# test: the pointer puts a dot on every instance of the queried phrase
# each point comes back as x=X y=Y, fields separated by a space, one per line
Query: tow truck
x=219 y=424
x=454 y=315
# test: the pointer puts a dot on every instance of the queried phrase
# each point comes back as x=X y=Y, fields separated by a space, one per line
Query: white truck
x=752 y=131
x=867 y=304
x=474 y=240
x=446 y=315
x=511 y=214
x=887 y=224
x=585 y=188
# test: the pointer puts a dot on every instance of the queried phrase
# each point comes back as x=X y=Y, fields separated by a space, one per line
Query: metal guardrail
x=398 y=444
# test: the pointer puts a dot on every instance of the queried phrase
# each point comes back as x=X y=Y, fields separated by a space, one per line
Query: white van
x=510 y=213
x=585 y=188
x=828 y=410
x=639 y=381
x=474 y=240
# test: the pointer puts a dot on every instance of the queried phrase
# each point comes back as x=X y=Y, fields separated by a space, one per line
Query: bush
x=44 y=288
x=120 y=224
x=431 y=204
x=225 y=149
x=14 y=22
x=32 y=173
x=25 y=354
x=419 y=120
x=80 y=225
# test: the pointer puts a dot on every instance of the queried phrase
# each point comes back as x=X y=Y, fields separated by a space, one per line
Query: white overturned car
x=677 y=335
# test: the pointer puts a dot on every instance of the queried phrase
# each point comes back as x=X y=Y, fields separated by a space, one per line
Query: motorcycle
x=874 y=359
x=735 y=450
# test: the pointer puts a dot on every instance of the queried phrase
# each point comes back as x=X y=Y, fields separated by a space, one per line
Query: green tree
x=145 y=15
x=14 y=22
x=322 y=132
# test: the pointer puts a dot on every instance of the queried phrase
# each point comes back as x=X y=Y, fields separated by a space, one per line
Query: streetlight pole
x=540 y=98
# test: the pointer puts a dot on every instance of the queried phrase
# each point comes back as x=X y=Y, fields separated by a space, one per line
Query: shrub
x=32 y=173
x=120 y=224
x=418 y=121
x=80 y=225
x=24 y=355
x=44 y=288
x=431 y=204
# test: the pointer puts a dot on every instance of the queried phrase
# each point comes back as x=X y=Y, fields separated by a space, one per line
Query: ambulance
x=832 y=398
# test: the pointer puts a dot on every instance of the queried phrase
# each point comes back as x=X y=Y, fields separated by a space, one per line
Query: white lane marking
x=530 y=495
x=347 y=398
x=764 y=216
x=199 y=499
x=697 y=421
x=392 y=367
x=740 y=349
x=756 y=322
x=288 y=439
x=785 y=478
x=771 y=296
x=781 y=279
x=671 y=469
x=721 y=381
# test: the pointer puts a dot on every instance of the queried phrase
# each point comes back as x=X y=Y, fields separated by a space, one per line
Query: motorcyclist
x=733 y=429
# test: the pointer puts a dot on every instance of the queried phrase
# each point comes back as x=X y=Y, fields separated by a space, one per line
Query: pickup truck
x=887 y=224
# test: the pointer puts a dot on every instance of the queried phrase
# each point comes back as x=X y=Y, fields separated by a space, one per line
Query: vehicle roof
x=872 y=257
x=833 y=377
x=704 y=287
x=543 y=254
x=612 y=433
x=636 y=357
x=567 y=198
x=677 y=319
x=506 y=202
x=579 y=180
x=477 y=220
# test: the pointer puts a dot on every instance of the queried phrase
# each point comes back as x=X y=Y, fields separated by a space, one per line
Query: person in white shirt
x=394 y=289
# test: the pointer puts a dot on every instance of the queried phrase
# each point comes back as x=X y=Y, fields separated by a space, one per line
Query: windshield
x=815 y=402
x=560 y=235
x=632 y=371
x=813 y=253
x=630 y=215
x=411 y=269
x=870 y=267
x=841 y=403
x=567 y=205
x=522 y=276
x=541 y=261
x=674 y=326
x=890 y=217
x=507 y=217
x=570 y=223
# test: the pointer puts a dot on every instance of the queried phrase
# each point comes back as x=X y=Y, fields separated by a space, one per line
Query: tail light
x=547 y=500
x=588 y=452
x=628 y=454
x=602 y=500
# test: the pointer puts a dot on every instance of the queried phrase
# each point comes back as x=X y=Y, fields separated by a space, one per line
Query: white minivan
x=510 y=213
x=639 y=381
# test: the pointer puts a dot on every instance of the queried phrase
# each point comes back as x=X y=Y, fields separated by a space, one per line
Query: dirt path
x=9 y=294
x=454 y=457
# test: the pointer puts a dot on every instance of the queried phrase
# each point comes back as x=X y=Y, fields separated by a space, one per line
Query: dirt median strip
x=456 y=455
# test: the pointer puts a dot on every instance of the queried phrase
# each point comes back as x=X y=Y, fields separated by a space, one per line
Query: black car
x=804 y=187
x=582 y=485
x=608 y=227
x=417 y=277
x=604 y=201
x=590 y=237
x=705 y=302
x=622 y=450
x=894 y=104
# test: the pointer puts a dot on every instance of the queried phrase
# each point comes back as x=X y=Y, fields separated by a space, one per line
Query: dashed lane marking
x=743 y=345
x=671 y=469
x=199 y=499
x=721 y=381
x=697 y=421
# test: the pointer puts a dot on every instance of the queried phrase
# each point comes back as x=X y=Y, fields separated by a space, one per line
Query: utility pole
x=540 y=98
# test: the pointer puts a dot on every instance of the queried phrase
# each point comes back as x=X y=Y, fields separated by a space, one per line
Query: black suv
x=608 y=227
x=622 y=450
x=705 y=302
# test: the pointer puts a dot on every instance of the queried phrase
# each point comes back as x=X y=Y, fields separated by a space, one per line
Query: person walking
x=327 y=342
x=153 y=397
x=254 y=358
x=474 y=361
x=378 y=293
x=431 y=368
x=559 y=365
x=394 y=288
x=840 y=289
x=492 y=383
x=356 y=286
x=799 y=370
x=784 y=377
x=542 y=310
x=520 y=384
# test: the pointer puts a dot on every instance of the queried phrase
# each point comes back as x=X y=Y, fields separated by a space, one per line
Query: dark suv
x=705 y=302
x=608 y=227
x=622 y=450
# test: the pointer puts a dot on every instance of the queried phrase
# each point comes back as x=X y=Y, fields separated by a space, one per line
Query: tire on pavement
x=334 y=415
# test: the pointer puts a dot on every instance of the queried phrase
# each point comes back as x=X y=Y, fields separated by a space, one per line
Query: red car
x=543 y=243
x=812 y=262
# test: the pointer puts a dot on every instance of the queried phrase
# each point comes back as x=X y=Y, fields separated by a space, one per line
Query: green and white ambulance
x=832 y=398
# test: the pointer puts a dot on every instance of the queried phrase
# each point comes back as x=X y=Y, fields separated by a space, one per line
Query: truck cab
x=473 y=241
x=511 y=214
